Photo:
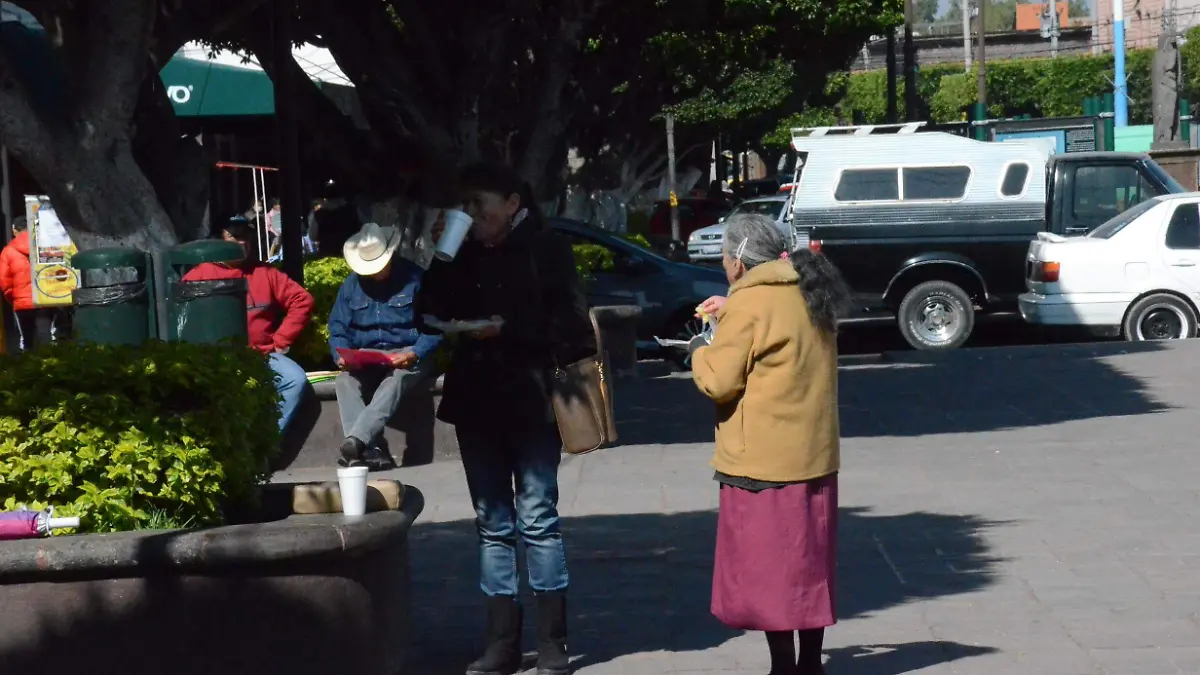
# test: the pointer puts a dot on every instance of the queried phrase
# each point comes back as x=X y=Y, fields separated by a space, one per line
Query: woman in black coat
x=495 y=393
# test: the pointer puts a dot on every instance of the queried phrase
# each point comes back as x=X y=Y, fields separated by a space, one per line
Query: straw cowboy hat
x=369 y=251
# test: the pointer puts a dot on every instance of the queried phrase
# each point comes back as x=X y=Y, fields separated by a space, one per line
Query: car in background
x=667 y=291
x=704 y=246
x=1137 y=275
x=693 y=215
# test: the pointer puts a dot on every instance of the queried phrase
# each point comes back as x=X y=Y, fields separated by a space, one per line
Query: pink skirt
x=775 y=566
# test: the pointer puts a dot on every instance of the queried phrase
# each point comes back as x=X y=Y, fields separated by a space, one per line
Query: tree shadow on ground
x=641 y=583
x=898 y=659
x=975 y=390
x=918 y=393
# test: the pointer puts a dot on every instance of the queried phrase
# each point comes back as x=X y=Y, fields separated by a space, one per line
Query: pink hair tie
x=783 y=256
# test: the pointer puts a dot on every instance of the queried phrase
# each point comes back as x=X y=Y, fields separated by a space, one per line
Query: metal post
x=1053 y=28
x=674 y=199
x=892 y=112
x=1120 y=90
x=966 y=28
x=291 y=196
x=981 y=60
x=910 y=64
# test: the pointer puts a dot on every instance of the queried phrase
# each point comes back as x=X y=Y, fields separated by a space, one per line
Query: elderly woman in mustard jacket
x=771 y=368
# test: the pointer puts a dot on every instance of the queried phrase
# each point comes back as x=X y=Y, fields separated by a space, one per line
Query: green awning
x=209 y=89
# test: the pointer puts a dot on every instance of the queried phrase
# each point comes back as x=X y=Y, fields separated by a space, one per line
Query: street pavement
x=1010 y=510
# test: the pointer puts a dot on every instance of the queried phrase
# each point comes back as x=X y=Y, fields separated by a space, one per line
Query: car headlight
x=693 y=237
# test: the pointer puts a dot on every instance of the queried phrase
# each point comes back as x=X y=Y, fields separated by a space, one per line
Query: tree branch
x=21 y=128
x=106 y=44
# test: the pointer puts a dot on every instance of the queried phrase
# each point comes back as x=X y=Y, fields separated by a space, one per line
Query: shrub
x=638 y=239
x=592 y=258
x=322 y=277
x=136 y=437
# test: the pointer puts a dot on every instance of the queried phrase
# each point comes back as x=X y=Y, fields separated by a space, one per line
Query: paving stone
x=1003 y=510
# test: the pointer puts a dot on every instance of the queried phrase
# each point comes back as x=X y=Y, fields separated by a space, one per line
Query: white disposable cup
x=458 y=224
x=352 y=482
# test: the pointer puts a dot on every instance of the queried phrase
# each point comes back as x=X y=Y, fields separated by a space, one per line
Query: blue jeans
x=290 y=379
x=496 y=461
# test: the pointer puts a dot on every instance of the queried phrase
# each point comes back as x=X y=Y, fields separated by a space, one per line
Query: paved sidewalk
x=1028 y=510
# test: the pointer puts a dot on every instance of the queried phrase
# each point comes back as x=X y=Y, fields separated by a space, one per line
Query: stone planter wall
x=308 y=594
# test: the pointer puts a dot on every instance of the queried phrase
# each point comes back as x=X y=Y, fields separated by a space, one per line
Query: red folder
x=357 y=358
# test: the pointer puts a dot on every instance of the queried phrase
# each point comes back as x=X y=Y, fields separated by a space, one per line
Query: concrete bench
x=414 y=436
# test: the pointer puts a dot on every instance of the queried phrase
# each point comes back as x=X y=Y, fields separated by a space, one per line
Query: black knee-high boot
x=809 y=662
x=783 y=652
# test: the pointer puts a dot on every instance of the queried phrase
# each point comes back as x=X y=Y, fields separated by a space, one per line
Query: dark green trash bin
x=112 y=302
x=206 y=311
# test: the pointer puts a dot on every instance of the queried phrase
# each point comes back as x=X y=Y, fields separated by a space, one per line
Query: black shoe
x=352 y=452
x=377 y=459
x=503 y=653
x=552 y=633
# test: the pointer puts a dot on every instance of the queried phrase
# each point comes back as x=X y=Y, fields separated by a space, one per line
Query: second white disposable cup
x=458 y=224
x=352 y=483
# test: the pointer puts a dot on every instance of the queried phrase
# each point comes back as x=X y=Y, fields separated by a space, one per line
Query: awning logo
x=180 y=94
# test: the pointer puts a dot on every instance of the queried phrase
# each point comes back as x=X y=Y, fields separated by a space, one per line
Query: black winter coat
x=531 y=282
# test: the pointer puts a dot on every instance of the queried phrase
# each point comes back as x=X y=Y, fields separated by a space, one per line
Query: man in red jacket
x=16 y=281
x=277 y=310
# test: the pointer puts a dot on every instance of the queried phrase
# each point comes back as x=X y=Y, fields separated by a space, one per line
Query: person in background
x=495 y=392
x=277 y=309
x=275 y=230
x=311 y=228
x=772 y=371
x=16 y=281
x=374 y=311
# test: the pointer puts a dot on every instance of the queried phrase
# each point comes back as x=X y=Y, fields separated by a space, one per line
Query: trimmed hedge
x=1040 y=87
x=149 y=437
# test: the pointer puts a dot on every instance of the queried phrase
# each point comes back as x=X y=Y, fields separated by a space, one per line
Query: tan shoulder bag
x=581 y=395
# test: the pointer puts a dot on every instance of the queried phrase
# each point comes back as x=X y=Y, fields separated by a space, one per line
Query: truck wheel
x=1159 y=317
x=936 y=315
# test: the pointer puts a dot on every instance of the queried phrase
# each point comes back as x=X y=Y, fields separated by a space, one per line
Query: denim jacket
x=380 y=315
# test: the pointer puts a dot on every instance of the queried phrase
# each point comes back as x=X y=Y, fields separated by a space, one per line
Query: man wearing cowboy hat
x=374 y=312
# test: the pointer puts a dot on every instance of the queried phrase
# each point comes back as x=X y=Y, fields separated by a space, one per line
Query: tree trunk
x=104 y=199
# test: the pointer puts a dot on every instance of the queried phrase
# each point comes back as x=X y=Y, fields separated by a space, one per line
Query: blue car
x=667 y=291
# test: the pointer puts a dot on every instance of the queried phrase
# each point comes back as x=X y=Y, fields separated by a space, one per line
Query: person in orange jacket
x=16 y=281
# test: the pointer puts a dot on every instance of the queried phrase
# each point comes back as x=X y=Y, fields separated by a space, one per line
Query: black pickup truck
x=933 y=278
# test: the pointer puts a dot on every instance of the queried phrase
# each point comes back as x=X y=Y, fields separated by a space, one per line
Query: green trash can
x=206 y=311
x=112 y=302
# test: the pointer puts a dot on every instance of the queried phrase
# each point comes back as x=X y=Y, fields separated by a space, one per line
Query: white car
x=1137 y=275
x=705 y=244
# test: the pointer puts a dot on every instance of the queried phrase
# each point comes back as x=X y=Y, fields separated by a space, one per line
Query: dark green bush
x=136 y=437
x=1039 y=87
x=322 y=277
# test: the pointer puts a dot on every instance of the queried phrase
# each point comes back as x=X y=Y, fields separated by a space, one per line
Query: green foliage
x=322 y=277
x=1037 y=87
x=140 y=437
x=638 y=239
x=592 y=258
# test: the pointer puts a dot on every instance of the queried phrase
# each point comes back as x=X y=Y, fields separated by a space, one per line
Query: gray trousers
x=368 y=398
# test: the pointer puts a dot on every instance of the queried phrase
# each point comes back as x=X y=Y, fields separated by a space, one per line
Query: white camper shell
x=857 y=175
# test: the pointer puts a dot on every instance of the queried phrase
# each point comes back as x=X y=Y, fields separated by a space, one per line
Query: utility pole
x=981 y=57
x=966 y=21
x=1120 y=89
x=1050 y=28
x=892 y=113
x=910 y=64
x=671 y=196
x=1165 y=85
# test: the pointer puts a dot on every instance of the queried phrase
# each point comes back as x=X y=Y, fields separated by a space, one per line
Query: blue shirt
x=371 y=314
